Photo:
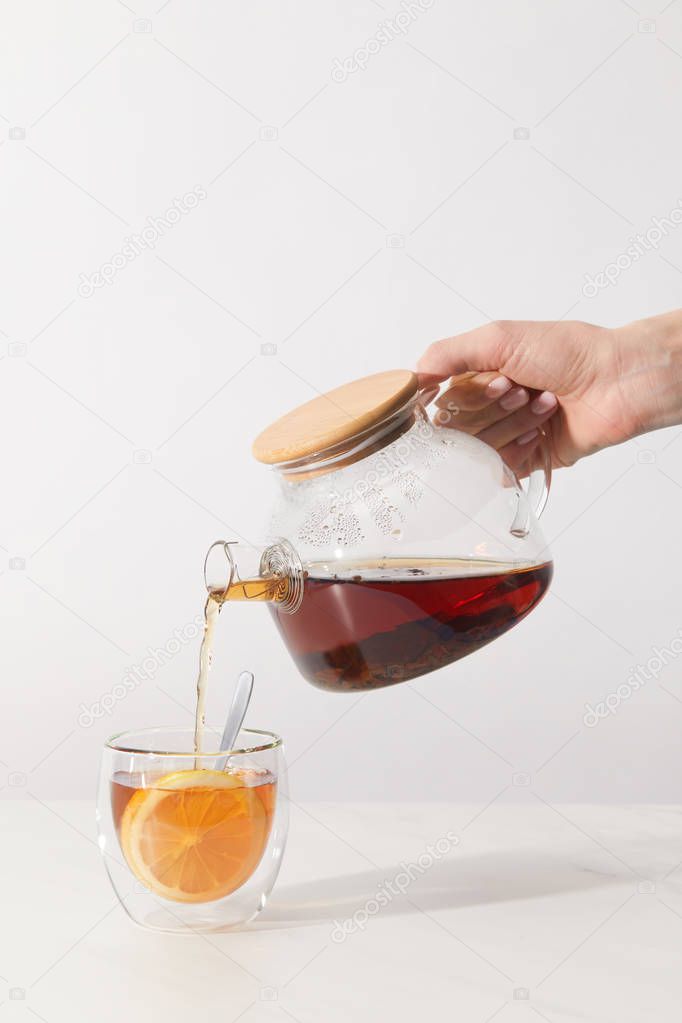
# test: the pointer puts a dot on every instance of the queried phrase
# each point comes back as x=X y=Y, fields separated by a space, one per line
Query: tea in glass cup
x=192 y=841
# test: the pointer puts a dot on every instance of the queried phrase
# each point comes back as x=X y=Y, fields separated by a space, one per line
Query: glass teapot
x=400 y=545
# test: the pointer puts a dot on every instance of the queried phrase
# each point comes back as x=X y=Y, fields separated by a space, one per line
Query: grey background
x=479 y=167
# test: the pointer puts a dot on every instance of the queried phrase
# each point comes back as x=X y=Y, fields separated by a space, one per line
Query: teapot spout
x=279 y=576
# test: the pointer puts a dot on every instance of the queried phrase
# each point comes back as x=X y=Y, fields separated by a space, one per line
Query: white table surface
x=558 y=913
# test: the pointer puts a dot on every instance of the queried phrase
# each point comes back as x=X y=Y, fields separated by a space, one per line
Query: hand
x=610 y=384
x=497 y=411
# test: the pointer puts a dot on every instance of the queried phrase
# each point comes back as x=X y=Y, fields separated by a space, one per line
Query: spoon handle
x=235 y=715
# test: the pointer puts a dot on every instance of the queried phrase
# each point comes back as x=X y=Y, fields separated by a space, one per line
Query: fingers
x=477 y=400
x=522 y=426
x=501 y=413
x=519 y=456
x=485 y=348
x=470 y=392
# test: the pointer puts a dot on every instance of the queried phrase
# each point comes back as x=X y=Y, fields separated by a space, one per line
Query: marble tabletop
x=510 y=912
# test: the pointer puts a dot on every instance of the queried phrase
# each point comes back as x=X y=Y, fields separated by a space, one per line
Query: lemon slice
x=196 y=836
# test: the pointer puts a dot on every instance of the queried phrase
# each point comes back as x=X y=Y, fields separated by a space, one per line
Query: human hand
x=498 y=411
x=592 y=373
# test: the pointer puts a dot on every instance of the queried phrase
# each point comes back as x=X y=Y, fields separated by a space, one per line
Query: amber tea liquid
x=394 y=621
x=124 y=786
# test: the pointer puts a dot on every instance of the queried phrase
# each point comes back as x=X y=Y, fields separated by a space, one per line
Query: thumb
x=485 y=348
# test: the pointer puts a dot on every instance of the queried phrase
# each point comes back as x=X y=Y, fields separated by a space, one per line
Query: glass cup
x=192 y=842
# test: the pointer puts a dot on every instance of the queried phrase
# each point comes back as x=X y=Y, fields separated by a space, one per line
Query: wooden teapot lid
x=335 y=417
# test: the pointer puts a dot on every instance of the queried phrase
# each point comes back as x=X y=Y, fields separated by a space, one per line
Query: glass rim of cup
x=115 y=743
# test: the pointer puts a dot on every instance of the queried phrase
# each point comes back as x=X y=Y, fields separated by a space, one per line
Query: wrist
x=650 y=371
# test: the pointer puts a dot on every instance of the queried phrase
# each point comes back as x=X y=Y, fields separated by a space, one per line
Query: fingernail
x=543 y=403
x=526 y=438
x=515 y=399
x=499 y=386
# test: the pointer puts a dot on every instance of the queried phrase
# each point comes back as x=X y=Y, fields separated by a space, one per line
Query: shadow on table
x=447 y=883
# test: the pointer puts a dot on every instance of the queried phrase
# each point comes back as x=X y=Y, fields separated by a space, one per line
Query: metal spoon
x=235 y=715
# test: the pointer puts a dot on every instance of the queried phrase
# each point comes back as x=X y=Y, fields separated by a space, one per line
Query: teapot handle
x=539 y=475
x=537 y=489
x=540 y=478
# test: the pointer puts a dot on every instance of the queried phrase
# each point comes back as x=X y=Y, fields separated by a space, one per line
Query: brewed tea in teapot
x=393 y=622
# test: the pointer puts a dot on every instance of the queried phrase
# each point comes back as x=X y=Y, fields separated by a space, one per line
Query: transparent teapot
x=398 y=546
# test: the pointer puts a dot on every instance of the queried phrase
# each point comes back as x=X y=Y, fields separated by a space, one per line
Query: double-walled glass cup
x=192 y=842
